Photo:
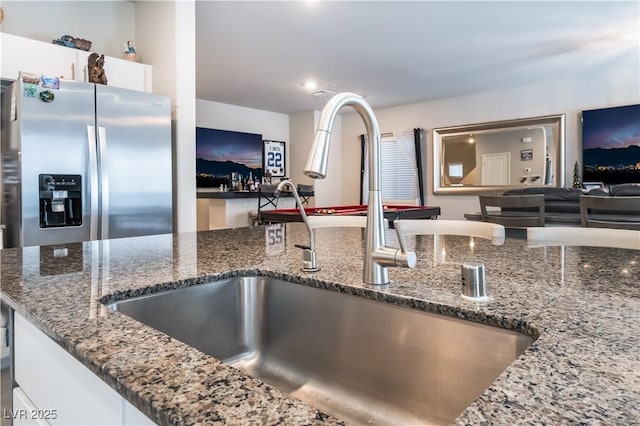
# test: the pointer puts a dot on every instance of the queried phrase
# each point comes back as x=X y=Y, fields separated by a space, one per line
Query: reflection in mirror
x=492 y=157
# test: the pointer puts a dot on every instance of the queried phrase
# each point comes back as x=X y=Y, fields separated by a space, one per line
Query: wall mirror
x=493 y=157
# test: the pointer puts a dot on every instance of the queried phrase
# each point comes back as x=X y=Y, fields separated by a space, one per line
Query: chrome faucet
x=309 y=254
x=377 y=255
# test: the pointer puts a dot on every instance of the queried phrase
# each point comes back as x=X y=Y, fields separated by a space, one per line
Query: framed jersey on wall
x=274 y=158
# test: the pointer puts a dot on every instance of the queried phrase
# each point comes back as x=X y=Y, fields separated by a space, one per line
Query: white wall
x=159 y=47
x=216 y=115
x=108 y=24
x=553 y=97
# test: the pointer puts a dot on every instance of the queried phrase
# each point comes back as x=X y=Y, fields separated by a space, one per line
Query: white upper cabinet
x=24 y=54
x=33 y=56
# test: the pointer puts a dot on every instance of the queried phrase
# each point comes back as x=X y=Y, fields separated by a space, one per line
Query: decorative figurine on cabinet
x=96 y=69
x=130 y=51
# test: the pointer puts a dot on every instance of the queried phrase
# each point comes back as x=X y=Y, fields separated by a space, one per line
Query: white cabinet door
x=54 y=380
x=123 y=73
x=82 y=73
x=37 y=57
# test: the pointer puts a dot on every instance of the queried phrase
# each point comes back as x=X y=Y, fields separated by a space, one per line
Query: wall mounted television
x=219 y=153
x=611 y=145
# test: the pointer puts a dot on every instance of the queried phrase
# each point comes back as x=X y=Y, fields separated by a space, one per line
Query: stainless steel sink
x=363 y=361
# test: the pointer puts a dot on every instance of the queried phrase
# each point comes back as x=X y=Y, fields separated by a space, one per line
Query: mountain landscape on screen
x=220 y=153
x=611 y=145
x=612 y=165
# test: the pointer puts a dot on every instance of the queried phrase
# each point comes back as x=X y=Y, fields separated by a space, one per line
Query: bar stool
x=266 y=198
x=305 y=192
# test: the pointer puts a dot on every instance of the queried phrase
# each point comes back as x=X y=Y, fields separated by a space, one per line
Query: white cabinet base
x=61 y=389
x=24 y=412
x=224 y=213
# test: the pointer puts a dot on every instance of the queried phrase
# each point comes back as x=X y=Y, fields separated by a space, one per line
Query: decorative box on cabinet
x=33 y=56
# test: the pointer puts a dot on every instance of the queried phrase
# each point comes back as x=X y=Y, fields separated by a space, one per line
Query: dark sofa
x=562 y=205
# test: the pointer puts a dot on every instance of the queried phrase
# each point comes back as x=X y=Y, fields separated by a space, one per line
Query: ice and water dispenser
x=60 y=200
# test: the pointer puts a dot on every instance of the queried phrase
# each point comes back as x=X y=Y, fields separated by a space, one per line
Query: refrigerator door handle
x=93 y=183
x=104 y=179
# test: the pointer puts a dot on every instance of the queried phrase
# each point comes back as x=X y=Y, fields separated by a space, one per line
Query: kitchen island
x=582 y=305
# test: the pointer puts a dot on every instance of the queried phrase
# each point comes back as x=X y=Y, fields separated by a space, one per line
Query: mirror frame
x=558 y=121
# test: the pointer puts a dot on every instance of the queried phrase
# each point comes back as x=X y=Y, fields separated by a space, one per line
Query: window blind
x=398 y=175
x=400 y=168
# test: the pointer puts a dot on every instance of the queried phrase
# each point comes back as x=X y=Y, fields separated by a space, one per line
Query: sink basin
x=364 y=361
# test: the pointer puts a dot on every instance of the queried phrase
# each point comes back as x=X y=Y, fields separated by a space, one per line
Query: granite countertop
x=582 y=304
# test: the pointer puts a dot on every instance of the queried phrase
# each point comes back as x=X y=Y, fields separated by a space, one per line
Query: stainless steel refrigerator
x=83 y=161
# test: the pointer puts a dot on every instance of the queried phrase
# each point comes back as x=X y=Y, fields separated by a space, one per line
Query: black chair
x=266 y=198
x=305 y=192
x=622 y=212
x=516 y=211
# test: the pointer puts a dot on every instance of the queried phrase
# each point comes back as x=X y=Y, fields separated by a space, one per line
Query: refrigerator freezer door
x=53 y=139
x=135 y=162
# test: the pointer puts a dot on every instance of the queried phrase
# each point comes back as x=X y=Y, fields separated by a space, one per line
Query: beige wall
x=610 y=88
x=301 y=129
x=328 y=191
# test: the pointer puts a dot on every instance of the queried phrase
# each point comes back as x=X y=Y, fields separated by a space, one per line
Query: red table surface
x=348 y=209
x=391 y=212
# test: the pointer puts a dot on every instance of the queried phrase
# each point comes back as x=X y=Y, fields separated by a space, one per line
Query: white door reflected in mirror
x=499 y=155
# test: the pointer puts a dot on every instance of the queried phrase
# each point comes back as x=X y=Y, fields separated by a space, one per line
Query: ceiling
x=259 y=54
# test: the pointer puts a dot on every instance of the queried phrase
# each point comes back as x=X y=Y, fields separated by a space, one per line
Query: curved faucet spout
x=309 y=262
x=377 y=255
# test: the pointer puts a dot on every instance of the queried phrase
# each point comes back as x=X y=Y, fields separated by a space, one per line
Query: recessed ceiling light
x=310 y=85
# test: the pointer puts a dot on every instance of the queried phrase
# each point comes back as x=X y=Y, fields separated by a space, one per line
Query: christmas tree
x=576 y=176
